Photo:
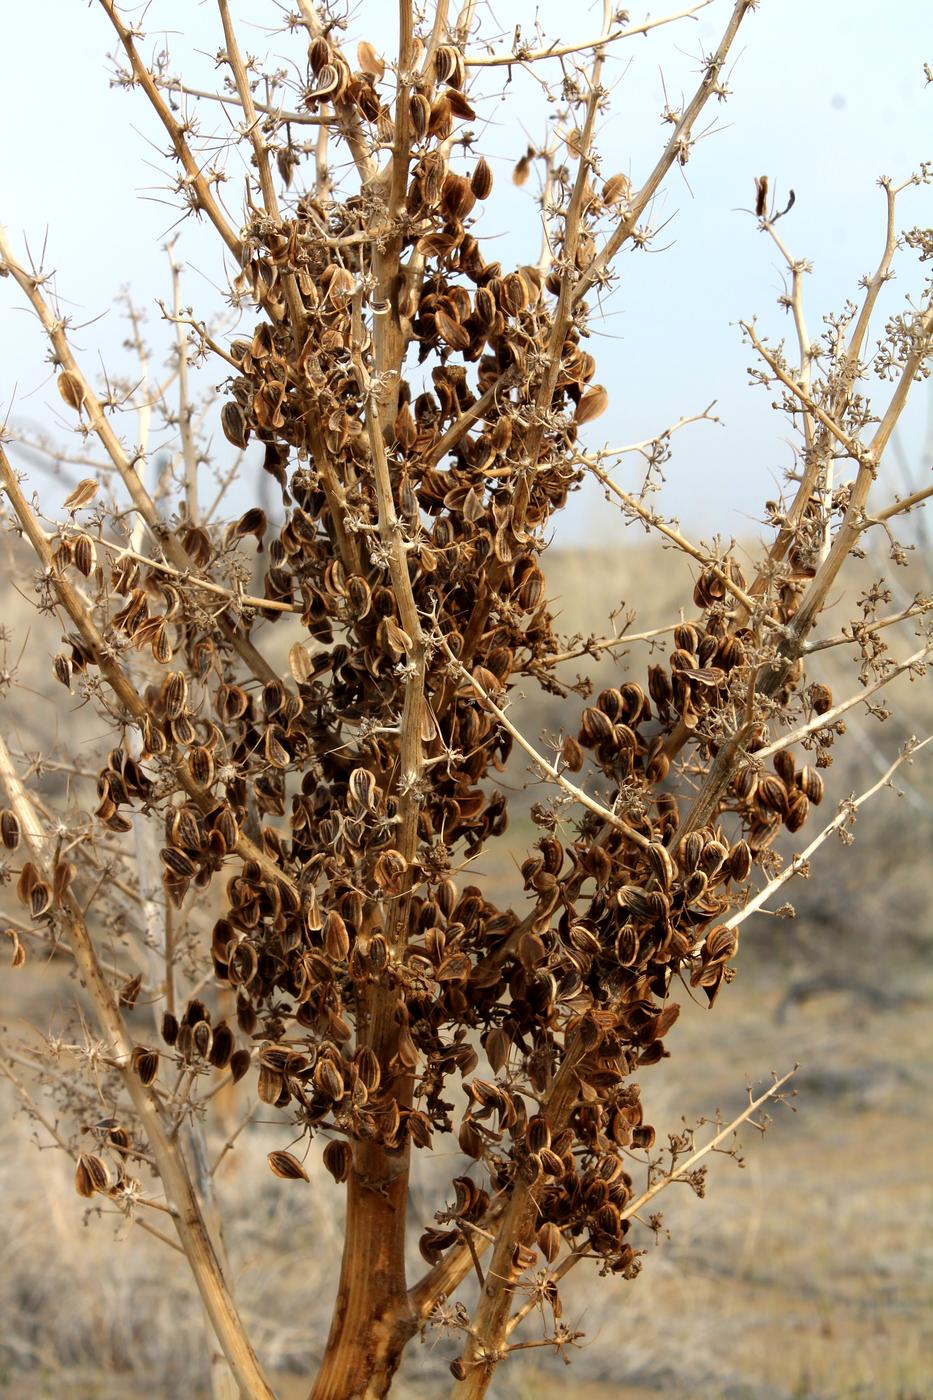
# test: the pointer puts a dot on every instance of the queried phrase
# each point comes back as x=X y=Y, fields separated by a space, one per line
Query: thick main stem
x=373 y=1319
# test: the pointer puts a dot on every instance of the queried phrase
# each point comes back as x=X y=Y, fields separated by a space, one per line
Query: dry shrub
x=275 y=853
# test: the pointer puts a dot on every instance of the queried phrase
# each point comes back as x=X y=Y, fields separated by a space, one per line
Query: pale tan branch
x=243 y=600
x=558 y=50
x=900 y=507
x=829 y=717
x=676 y=150
x=185 y=1211
x=30 y=1103
x=917 y=608
x=591 y=461
x=852 y=446
x=546 y=767
x=869 y=460
x=842 y=817
x=596 y=644
x=644 y=447
x=411 y=753
x=555 y=1276
x=185 y=408
x=80 y=390
x=280 y=114
x=684 y=1168
x=157 y=1234
x=115 y=677
x=195 y=181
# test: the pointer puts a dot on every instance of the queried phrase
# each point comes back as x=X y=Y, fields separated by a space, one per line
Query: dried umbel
x=421 y=411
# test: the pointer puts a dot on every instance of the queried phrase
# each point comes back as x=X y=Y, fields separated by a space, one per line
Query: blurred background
x=808 y=1270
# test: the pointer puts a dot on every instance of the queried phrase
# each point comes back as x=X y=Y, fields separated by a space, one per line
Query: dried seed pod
x=287 y=1166
x=85 y=554
x=636 y=900
x=456 y=336
x=659 y=685
x=40 y=899
x=71 y=390
x=690 y=851
x=745 y=783
x=785 y=767
x=797 y=812
x=331 y=83
x=239 y=1064
x=548 y=1239
x=130 y=991
x=9 y=829
x=695 y=886
x=419 y=1130
x=626 y=946
x=595 y=727
x=367 y=1066
x=319 y=53
x=336 y=937
x=145 y=1063
x=713 y=856
x=662 y=866
x=118 y=1137
x=91 y=1175
x=810 y=783
x=616 y=189
x=338 y=1159
x=721 y=942
x=537 y=1133
x=740 y=861
x=177 y=863
x=169 y=1028
x=328 y=1080
x=202 y=1038
x=572 y=754
x=433 y=1243
x=243 y=965
x=644 y=1136
x=449 y=66
x=174 y=694
x=470 y=1139
x=270 y=1084
x=729 y=653
x=592 y=405
x=419 y=114
x=82 y=495
x=201 y=766
x=687 y=638
x=710 y=588
x=370 y=61
x=362 y=788
x=277 y=754
x=226 y=824
x=820 y=697
x=481 y=179
x=245 y=1014
x=772 y=794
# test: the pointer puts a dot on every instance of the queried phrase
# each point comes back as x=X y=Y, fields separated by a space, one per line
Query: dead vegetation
x=266 y=878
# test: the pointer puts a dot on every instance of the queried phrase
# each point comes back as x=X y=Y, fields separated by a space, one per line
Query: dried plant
x=422 y=412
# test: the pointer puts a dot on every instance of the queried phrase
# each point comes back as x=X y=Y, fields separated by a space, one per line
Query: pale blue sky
x=827 y=95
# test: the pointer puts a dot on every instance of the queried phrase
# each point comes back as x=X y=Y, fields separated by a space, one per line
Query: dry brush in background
x=424 y=413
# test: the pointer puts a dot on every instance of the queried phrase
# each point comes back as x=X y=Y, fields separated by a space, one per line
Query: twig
x=829 y=717
x=843 y=816
x=175 y=1181
x=553 y=773
x=609 y=36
